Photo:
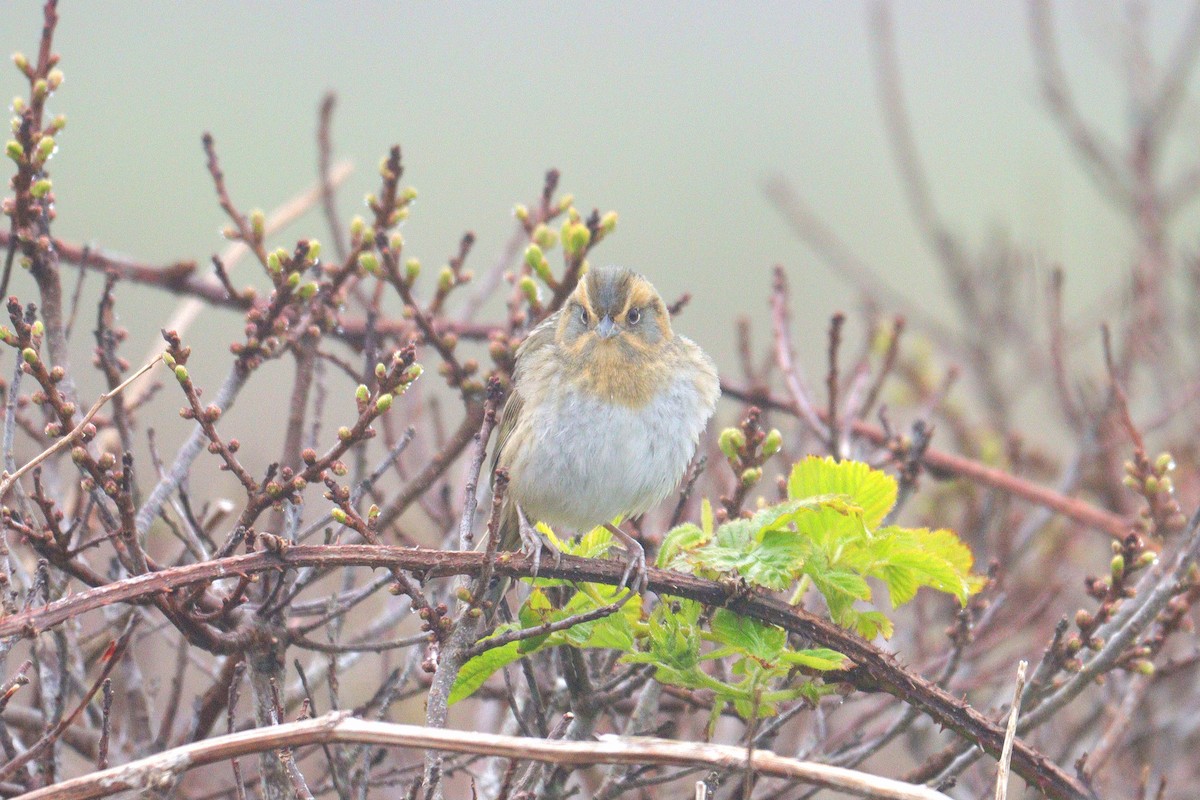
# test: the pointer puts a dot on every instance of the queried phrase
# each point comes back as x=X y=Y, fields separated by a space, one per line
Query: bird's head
x=614 y=307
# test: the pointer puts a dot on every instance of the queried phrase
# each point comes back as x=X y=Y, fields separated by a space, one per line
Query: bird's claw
x=635 y=565
x=533 y=544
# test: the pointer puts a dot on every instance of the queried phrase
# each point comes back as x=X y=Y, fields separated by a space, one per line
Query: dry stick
x=163 y=768
x=875 y=670
x=1010 y=734
x=1071 y=507
x=69 y=438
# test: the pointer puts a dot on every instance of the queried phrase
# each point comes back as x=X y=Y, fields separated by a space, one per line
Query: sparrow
x=606 y=408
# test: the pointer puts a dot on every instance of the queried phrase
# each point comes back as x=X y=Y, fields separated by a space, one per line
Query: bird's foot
x=635 y=565
x=533 y=543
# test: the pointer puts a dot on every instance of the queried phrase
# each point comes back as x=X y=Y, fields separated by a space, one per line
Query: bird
x=604 y=415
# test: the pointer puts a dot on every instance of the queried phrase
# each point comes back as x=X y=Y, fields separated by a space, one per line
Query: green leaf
x=820 y=658
x=870 y=489
x=755 y=639
x=679 y=540
x=476 y=671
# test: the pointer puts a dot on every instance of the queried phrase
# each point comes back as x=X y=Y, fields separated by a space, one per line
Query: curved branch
x=874 y=669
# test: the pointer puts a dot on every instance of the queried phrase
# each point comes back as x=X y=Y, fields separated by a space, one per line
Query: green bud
x=14 y=150
x=412 y=268
x=1143 y=667
x=772 y=443
x=373 y=512
x=521 y=212
x=55 y=79
x=529 y=289
x=308 y=290
x=362 y=393
x=46 y=147
x=344 y=433
x=169 y=360
x=608 y=223
x=731 y=441
x=79 y=454
x=314 y=249
x=564 y=202
x=408 y=194
x=30 y=355
x=293 y=280
x=41 y=188
x=383 y=403
x=1164 y=463
x=368 y=237
x=21 y=61
x=1146 y=559
x=181 y=373
x=59 y=123
x=339 y=516
x=369 y=263
x=356 y=227
x=576 y=238
x=413 y=372
x=18 y=104
x=37 y=328
x=1151 y=485
x=274 y=264
x=258 y=223
x=1117 y=567
x=396 y=242
x=445 y=279
x=751 y=476
x=534 y=256
x=41 y=89
x=545 y=238
x=380 y=371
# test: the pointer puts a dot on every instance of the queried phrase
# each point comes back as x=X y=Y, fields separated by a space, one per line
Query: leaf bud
x=38 y=328
x=445 y=280
x=314 y=249
x=1131 y=482
x=107 y=461
x=338 y=468
x=1083 y=619
x=408 y=194
x=1143 y=667
x=521 y=212
x=339 y=516
x=380 y=371
x=41 y=188
x=1165 y=485
x=55 y=79
x=1164 y=463
x=576 y=238
x=181 y=373
x=79 y=454
x=396 y=242
x=53 y=429
x=29 y=355
x=14 y=150
x=308 y=455
x=772 y=443
x=1151 y=485
x=293 y=280
x=751 y=476
x=413 y=372
x=357 y=225
x=373 y=512
x=308 y=290
x=565 y=202
x=45 y=148
x=534 y=256
x=21 y=61
x=369 y=263
x=18 y=107
x=1117 y=567
x=258 y=223
x=731 y=441
x=58 y=123
x=362 y=393
x=1146 y=559
x=344 y=434
x=608 y=223
x=274 y=263
x=529 y=289
x=544 y=237
x=168 y=359
x=40 y=89
x=383 y=403
x=57 y=374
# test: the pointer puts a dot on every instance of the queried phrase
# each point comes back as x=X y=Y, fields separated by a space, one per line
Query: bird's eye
x=583 y=316
x=634 y=316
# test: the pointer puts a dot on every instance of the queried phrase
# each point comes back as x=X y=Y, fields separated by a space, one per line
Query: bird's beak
x=606 y=328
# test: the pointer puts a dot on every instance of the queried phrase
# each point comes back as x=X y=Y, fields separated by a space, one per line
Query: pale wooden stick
x=9 y=480
x=1010 y=734
x=162 y=769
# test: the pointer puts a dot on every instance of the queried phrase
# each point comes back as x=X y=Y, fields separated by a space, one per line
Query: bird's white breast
x=586 y=460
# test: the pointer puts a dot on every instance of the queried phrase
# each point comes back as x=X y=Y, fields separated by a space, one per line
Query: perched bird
x=606 y=408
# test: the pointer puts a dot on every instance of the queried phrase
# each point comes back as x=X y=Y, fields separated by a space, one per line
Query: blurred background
x=675 y=115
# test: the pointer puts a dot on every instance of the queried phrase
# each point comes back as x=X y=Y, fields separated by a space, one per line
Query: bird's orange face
x=616 y=336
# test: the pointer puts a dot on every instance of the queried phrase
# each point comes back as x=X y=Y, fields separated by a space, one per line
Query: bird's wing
x=540 y=337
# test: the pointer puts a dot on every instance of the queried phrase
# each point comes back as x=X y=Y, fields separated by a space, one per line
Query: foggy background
x=672 y=114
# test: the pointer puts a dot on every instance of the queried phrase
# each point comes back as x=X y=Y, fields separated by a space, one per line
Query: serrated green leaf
x=679 y=540
x=749 y=636
x=819 y=658
x=476 y=671
x=870 y=489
